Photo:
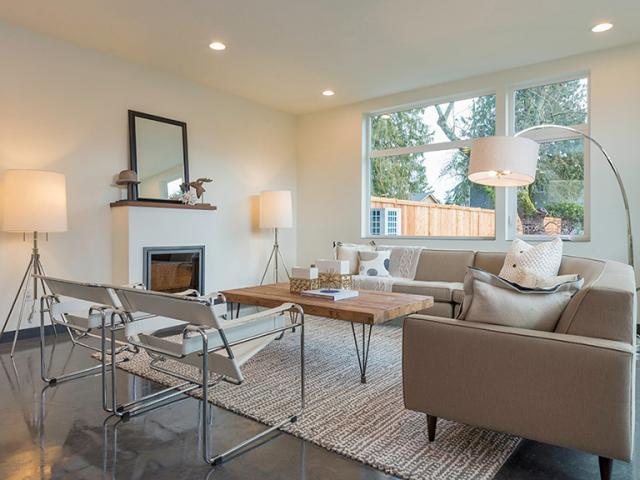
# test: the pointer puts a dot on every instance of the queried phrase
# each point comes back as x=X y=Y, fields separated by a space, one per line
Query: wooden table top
x=368 y=307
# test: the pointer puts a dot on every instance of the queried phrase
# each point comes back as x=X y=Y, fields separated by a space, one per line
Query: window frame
x=546 y=136
x=368 y=154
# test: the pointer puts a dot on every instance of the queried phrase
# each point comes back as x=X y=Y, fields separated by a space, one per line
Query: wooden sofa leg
x=431 y=427
x=606 y=467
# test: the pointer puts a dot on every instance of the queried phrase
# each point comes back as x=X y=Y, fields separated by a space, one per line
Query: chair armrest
x=189 y=292
x=567 y=390
x=285 y=307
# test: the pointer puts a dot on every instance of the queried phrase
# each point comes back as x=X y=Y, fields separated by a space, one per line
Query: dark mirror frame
x=133 y=152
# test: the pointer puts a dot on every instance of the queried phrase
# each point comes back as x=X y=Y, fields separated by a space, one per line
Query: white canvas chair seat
x=188 y=350
x=164 y=339
x=77 y=320
x=187 y=347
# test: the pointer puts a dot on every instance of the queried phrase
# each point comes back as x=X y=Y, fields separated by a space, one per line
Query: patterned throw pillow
x=374 y=264
x=349 y=251
x=529 y=265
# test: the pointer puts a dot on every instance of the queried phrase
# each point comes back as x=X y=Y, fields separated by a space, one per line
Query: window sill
x=548 y=238
x=404 y=237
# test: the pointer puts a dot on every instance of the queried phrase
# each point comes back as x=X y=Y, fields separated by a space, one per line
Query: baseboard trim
x=30 y=332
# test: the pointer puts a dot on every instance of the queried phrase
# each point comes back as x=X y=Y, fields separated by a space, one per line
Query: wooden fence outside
x=435 y=220
x=422 y=219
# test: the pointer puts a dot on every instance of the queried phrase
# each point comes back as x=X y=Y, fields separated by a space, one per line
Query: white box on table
x=333 y=266
x=306 y=273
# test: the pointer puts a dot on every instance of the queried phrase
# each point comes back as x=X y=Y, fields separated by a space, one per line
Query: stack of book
x=330 y=293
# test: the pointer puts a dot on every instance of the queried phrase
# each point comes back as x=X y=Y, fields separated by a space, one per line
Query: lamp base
x=275 y=255
x=33 y=268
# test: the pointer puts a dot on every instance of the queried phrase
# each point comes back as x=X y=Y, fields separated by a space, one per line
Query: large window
x=417 y=163
x=555 y=203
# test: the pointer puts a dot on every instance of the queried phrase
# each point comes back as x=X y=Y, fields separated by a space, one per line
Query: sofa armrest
x=567 y=390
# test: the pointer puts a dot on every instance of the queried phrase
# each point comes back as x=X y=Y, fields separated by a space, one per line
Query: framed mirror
x=158 y=154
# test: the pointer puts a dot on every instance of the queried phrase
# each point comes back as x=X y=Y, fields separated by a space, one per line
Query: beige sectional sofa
x=440 y=274
x=572 y=387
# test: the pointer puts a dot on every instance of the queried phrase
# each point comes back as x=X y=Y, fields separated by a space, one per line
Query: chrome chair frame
x=47 y=303
x=169 y=395
x=206 y=434
x=157 y=399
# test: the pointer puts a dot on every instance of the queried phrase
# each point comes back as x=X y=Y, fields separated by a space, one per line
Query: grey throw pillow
x=491 y=299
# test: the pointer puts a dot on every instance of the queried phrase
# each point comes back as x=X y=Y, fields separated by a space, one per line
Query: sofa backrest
x=489 y=261
x=443 y=265
x=587 y=268
x=603 y=308
x=451 y=265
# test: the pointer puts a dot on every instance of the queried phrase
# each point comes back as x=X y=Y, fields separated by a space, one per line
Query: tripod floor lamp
x=32 y=201
x=512 y=162
x=275 y=212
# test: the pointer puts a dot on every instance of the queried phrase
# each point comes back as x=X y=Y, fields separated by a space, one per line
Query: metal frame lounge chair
x=229 y=345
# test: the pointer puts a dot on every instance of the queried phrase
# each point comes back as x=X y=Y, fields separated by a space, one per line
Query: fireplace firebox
x=174 y=269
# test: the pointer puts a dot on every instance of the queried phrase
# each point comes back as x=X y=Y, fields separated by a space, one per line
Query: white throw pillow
x=374 y=264
x=529 y=265
x=349 y=251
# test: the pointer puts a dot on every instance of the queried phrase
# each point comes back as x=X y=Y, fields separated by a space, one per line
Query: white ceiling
x=283 y=53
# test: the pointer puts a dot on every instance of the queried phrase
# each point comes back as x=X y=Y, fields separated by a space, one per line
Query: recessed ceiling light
x=328 y=93
x=217 y=46
x=602 y=27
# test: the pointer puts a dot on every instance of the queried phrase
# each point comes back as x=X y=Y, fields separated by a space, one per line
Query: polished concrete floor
x=61 y=432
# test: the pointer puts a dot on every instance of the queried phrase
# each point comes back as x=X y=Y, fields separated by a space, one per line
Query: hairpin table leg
x=363 y=357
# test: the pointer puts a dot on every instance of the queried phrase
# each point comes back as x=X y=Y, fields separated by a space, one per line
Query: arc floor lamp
x=512 y=161
x=33 y=201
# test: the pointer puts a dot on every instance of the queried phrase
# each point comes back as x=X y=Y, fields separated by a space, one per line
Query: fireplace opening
x=174 y=269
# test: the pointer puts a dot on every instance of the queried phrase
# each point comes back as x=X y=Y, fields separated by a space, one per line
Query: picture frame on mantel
x=158 y=153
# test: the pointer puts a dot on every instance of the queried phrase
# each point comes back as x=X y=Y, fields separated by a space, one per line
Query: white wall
x=65 y=108
x=330 y=148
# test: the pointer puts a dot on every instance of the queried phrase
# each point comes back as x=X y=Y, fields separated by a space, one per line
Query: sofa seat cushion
x=458 y=296
x=439 y=309
x=440 y=291
x=378 y=284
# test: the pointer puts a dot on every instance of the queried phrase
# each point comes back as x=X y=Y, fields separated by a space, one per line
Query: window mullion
x=431 y=147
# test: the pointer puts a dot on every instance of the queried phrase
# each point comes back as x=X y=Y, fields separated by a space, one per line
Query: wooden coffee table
x=369 y=308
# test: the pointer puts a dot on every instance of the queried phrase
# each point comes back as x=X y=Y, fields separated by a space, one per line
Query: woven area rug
x=367 y=422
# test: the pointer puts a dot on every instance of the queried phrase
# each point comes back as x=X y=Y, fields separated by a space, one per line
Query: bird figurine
x=198 y=185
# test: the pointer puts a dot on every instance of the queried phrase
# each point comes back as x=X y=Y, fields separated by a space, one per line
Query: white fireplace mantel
x=135 y=227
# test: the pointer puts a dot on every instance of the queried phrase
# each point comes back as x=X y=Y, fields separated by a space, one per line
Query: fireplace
x=173 y=269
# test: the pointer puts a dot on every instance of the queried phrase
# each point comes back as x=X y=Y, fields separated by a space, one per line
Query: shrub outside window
x=555 y=203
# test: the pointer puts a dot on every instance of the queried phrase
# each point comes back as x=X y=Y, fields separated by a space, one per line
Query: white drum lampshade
x=276 y=209
x=33 y=201
x=503 y=161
